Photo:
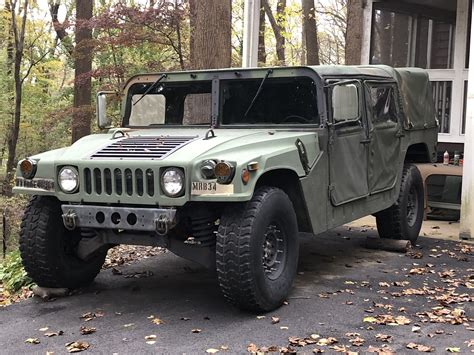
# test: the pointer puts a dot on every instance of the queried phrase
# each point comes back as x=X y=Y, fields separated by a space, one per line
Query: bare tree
x=19 y=31
x=310 y=33
x=355 y=19
x=262 y=55
x=278 y=27
x=82 y=113
x=210 y=40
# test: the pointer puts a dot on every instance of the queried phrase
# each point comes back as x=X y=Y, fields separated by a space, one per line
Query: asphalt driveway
x=345 y=298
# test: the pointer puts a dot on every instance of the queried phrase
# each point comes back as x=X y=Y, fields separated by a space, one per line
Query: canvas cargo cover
x=417 y=97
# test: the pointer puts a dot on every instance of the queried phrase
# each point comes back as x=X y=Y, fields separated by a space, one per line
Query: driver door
x=348 y=144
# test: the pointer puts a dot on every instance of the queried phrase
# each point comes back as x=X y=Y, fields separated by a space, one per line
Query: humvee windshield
x=281 y=101
x=178 y=103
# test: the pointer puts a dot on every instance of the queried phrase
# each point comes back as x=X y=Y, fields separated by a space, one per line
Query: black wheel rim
x=274 y=249
x=412 y=207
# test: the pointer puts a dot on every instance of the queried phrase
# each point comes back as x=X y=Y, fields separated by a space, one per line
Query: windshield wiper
x=150 y=88
x=258 y=92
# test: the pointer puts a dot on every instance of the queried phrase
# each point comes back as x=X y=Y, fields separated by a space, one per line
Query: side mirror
x=101 y=111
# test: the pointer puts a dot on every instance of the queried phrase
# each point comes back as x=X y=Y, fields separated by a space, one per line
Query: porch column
x=467 y=200
x=251 y=29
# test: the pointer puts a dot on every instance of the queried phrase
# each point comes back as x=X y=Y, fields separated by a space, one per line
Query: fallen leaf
x=418 y=271
x=252 y=348
x=157 y=321
x=284 y=328
x=384 y=338
x=275 y=320
x=357 y=341
x=380 y=351
x=43 y=329
x=370 y=319
x=87 y=330
x=53 y=334
x=128 y=325
x=196 y=330
x=91 y=315
x=150 y=337
x=32 y=341
x=420 y=347
x=77 y=346
x=260 y=317
x=151 y=342
x=212 y=351
x=384 y=284
x=453 y=350
x=327 y=341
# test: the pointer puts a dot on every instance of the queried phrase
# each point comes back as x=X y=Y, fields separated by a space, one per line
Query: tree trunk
x=262 y=55
x=310 y=32
x=82 y=113
x=210 y=40
x=278 y=27
x=19 y=40
x=354 y=32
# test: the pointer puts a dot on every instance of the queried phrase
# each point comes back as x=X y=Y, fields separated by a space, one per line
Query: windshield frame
x=216 y=76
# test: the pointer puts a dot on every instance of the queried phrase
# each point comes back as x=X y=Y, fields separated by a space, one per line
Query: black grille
x=157 y=147
x=119 y=182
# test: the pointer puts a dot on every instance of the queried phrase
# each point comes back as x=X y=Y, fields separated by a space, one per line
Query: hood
x=181 y=145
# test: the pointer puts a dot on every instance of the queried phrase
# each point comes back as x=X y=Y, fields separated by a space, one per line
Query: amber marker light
x=224 y=172
x=28 y=168
x=245 y=176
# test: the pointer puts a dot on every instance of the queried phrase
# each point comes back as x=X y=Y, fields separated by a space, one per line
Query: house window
x=442 y=95
x=401 y=39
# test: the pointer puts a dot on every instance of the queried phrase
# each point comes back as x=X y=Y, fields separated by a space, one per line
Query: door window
x=382 y=101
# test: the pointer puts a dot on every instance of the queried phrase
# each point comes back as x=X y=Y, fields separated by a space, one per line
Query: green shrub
x=12 y=274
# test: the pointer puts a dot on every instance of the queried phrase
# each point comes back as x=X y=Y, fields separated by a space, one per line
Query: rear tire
x=404 y=218
x=257 y=251
x=48 y=248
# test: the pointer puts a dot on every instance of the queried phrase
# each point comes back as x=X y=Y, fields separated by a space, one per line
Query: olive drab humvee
x=225 y=167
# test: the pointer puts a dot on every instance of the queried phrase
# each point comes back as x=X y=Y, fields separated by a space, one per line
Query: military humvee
x=225 y=167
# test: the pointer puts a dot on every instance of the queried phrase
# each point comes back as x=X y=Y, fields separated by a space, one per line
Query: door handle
x=365 y=141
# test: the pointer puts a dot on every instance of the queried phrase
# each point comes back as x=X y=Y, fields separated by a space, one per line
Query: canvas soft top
x=414 y=85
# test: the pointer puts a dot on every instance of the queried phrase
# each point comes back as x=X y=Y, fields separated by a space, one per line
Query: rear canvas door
x=384 y=135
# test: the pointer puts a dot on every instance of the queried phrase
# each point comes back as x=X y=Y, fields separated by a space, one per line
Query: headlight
x=207 y=169
x=68 y=179
x=172 y=182
x=28 y=168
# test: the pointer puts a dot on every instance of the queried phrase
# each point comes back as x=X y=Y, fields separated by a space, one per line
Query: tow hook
x=70 y=220
x=162 y=225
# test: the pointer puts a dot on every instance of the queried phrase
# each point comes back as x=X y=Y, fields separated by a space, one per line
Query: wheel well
x=288 y=181
x=417 y=153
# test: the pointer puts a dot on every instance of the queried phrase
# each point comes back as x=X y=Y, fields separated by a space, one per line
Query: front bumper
x=159 y=220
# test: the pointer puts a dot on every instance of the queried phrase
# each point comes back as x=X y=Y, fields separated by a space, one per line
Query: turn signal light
x=224 y=172
x=28 y=168
x=245 y=176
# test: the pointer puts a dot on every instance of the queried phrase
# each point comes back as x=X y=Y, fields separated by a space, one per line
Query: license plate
x=211 y=188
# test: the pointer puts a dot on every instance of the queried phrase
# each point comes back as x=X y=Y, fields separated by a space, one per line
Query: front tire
x=404 y=218
x=257 y=251
x=47 y=248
